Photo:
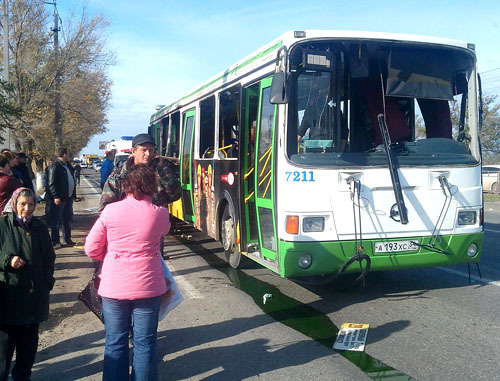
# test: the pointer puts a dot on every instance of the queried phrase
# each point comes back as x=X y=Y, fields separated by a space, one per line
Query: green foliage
x=490 y=132
x=78 y=68
x=8 y=110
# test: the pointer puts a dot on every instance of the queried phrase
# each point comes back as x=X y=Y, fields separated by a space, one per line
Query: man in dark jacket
x=144 y=152
x=60 y=189
x=23 y=170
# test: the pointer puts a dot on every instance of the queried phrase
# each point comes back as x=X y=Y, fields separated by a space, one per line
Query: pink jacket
x=127 y=238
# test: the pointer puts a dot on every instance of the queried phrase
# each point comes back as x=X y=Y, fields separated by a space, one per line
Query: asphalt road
x=428 y=324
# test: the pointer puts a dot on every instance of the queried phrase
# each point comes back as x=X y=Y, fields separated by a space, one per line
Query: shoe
x=68 y=244
x=56 y=246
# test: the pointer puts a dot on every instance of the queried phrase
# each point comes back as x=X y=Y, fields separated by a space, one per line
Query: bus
x=334 y=152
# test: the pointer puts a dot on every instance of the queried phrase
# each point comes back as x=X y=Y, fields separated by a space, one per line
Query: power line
x=487 y=71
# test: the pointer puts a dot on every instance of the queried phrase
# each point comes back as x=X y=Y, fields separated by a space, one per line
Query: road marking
x=491 y=230
x=474 y=277
x=188 y=288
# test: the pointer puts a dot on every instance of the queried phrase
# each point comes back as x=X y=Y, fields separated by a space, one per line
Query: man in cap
x=143 y=152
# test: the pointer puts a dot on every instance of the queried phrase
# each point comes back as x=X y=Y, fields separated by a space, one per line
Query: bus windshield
x=421 y=89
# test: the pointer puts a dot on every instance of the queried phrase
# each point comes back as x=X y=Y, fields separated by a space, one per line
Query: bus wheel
x=228 y=239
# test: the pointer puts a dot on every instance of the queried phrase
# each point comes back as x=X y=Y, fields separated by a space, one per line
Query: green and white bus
x=325 y=148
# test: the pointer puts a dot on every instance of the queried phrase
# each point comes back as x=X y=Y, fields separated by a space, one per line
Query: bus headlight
x=467 y=217
x=472 y=250
x=313 y=224
x=305 y=261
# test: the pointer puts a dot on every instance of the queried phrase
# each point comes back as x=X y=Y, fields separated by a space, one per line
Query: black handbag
x=89 y=295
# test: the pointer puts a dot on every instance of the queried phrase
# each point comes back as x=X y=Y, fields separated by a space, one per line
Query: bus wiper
x=393 y=168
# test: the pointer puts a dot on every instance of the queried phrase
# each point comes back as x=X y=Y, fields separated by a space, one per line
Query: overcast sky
x=165 y=48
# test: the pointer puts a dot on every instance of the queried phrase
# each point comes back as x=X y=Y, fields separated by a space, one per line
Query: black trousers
x=24 y=339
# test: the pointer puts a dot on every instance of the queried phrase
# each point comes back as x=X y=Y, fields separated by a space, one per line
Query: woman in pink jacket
x=126 y=238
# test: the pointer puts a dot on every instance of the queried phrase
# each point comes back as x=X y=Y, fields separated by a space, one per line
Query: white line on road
x=474 y=277
x=491 y=230
x=188 y=288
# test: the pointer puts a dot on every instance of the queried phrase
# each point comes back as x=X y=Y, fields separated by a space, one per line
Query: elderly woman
x=26 y=278
x=126 y=237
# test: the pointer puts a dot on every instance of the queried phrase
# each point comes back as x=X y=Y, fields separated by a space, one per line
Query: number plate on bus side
x=395 y=246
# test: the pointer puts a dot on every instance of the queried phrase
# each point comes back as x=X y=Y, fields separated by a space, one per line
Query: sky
x=165 y=48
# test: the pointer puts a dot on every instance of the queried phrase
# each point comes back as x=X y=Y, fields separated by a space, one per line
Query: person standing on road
x=26 y=278
x=132 y=280
x=60 y=188
x=143 y=152
x=78 y=171
x=107 y=167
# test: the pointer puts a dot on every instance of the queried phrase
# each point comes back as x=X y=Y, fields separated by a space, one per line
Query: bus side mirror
x=279 y=93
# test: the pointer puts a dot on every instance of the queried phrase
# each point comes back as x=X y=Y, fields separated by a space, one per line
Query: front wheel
x=228 y=239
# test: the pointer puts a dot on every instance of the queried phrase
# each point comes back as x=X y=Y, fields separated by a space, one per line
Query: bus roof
x=266 y=55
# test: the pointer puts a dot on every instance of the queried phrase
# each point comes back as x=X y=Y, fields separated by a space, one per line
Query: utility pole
x=57 y=83
x=5 y=21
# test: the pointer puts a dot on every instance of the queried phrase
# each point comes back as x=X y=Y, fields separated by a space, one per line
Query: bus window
x=186 y=149
x=162 y=145
x=229 y=122
x=172 y=145
x=422 y=92
x=264 y=167
x=207 y=128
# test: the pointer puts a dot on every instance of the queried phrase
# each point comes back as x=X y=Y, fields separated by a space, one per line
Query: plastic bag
x=173 y=297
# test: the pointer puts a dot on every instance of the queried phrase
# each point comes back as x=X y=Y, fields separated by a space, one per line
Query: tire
x=228 y=239
x=494 y=188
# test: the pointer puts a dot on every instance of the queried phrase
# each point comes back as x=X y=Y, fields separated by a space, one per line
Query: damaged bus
x=329 y=152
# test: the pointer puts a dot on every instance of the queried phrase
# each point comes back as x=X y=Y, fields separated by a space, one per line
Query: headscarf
x=26 y=192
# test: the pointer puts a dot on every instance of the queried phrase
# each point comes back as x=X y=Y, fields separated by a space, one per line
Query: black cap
x=142 y=139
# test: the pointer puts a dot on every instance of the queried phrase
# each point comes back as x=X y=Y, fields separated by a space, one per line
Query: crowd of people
x=143 y=186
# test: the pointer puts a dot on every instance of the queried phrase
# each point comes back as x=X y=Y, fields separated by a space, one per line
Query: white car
x=490 y=178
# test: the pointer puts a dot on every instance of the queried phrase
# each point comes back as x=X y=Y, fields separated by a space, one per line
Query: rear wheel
x=494 y=188
x=228 y=239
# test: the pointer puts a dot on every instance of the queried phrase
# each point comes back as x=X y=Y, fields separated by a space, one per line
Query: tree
x=490 y=131
x=8 y=110
x=81 y=65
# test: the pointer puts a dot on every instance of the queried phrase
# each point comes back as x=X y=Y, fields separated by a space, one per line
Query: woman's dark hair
x=139 y=180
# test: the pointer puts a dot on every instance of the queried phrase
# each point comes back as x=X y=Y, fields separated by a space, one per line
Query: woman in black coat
x=26 y=278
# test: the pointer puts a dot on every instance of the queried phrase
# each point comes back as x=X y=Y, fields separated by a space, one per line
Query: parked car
x=490 y=178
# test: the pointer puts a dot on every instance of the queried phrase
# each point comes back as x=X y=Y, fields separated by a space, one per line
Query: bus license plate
x=395 y=246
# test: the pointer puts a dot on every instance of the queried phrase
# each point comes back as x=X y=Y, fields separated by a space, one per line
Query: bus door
x=264 y=176
x=251 y=108
x=187 y=165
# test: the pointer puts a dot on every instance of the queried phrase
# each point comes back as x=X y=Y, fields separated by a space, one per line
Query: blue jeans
x=118 y=317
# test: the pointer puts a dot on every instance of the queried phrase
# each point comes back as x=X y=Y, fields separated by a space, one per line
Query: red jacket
x=8 y=184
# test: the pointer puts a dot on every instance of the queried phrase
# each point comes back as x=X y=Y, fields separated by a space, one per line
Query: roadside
x=204 y=338
x=71 y=328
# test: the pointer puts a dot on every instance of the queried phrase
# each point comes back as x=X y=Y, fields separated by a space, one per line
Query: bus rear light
x=292 y=224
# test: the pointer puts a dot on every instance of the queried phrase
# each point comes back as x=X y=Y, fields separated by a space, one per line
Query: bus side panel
x=204 y=196
x=226 y=184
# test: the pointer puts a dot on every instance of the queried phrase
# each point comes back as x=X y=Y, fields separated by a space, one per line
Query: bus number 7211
x=299 y=176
